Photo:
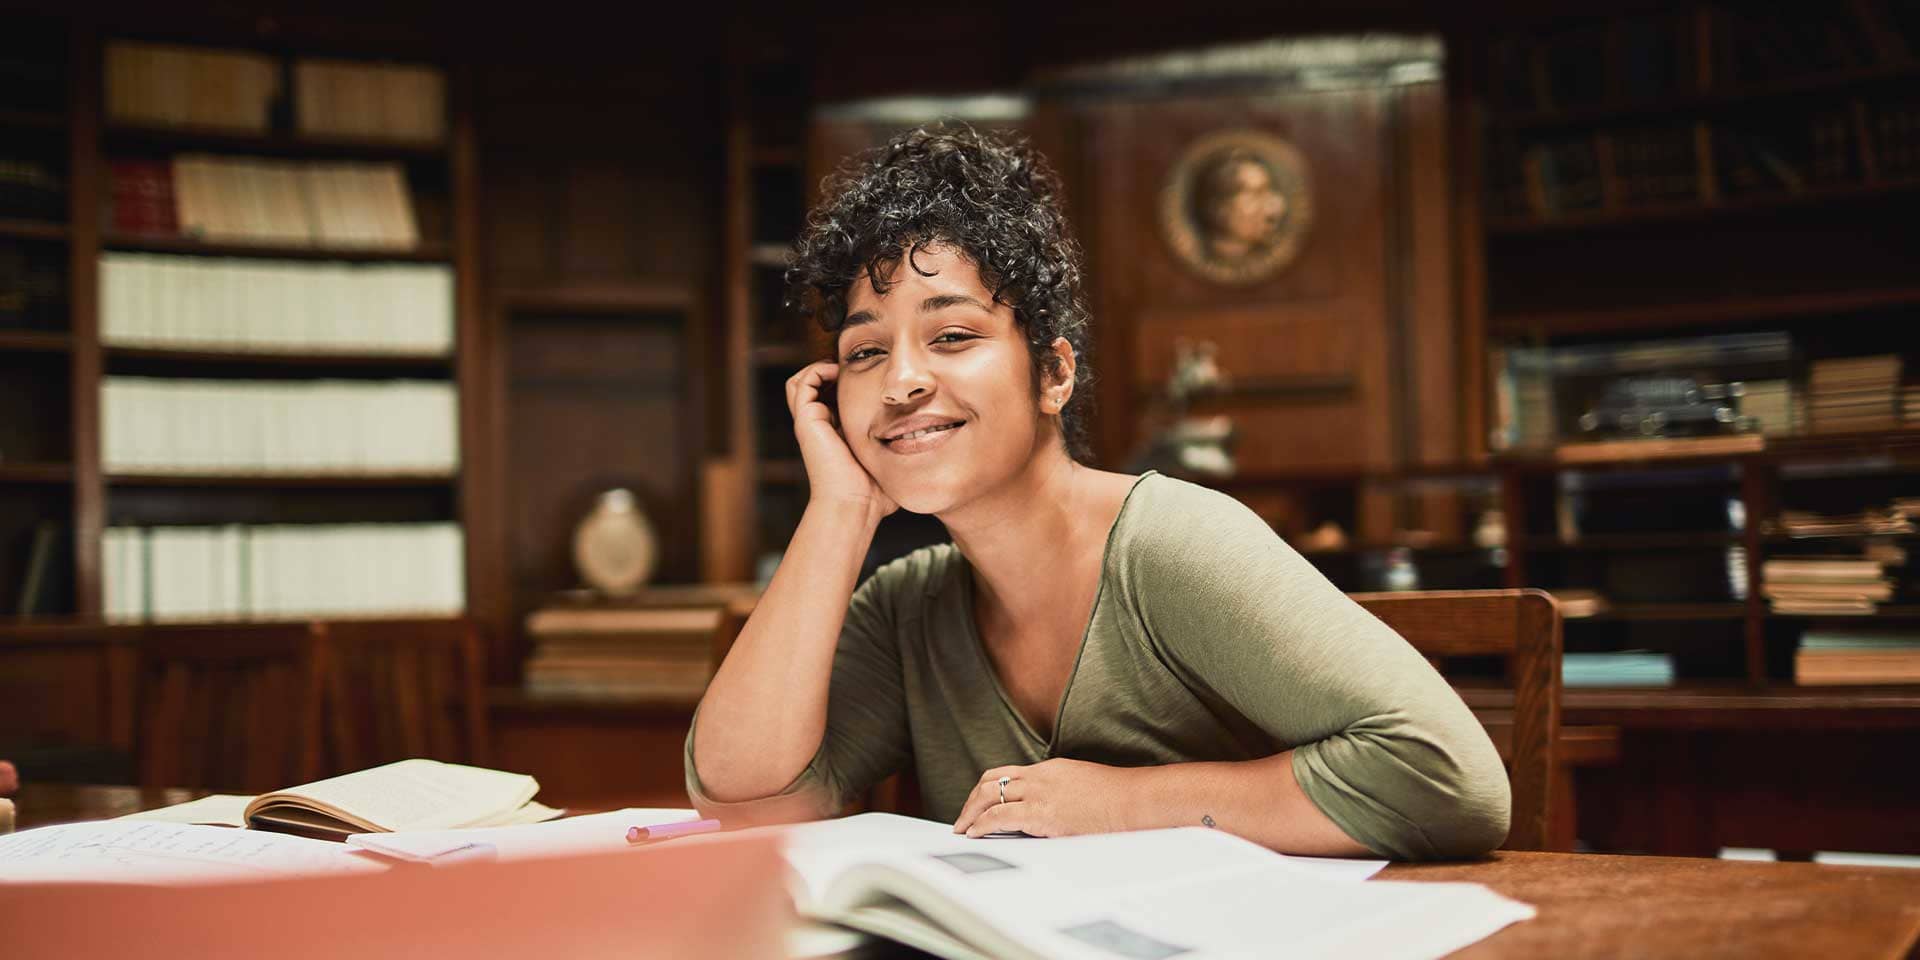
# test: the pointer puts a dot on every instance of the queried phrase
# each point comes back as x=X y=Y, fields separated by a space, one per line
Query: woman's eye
x=859 y=355
x=956 y=335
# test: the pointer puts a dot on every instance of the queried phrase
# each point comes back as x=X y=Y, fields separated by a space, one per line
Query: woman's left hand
x=1052 y=798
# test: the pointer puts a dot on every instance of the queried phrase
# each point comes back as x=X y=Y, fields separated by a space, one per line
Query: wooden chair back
x=227 y=708
x=403 y=688
x=1524 y=626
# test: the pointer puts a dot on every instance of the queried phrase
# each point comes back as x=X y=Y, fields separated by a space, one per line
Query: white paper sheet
x=599 y=831
x=220 y=809
x=146 y=851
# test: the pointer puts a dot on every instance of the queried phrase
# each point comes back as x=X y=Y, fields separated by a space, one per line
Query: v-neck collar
x=1047 y=744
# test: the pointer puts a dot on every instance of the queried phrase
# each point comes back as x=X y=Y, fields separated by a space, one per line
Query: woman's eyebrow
x=942 y=301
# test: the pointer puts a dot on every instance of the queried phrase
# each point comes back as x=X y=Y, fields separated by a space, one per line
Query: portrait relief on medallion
x=1237 y=205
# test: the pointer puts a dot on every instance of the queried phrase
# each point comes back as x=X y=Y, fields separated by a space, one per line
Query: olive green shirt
x=1211 y=639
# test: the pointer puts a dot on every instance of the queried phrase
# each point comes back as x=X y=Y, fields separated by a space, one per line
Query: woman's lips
x=924 y=442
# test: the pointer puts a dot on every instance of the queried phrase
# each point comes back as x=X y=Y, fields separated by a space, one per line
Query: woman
x=1094 y=651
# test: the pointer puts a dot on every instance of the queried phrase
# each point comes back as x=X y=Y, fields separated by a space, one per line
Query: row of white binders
x=150 y=425
x=243 y=572
x=152 y=300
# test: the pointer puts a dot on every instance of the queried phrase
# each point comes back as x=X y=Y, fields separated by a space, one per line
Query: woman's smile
x=923 y=440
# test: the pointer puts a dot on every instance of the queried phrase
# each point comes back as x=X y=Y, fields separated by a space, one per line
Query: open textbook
x=1190 y=892
x=405 y=796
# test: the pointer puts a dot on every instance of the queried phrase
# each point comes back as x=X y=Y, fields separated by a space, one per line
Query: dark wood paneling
x=600 y=192
x=592 y=756
x=1321 y=318
x=594 y=402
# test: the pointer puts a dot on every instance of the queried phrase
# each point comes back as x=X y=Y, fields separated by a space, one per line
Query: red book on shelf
x=143 y=197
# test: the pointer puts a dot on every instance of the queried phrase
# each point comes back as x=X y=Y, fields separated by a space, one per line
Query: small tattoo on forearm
x=1206 y=820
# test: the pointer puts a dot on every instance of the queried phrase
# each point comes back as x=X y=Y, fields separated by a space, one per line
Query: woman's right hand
x=832 y=471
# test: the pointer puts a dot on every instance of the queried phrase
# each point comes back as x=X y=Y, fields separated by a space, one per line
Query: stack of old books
x=1848 y=656
x=663 y=647
x=1896 y=518
x=1855 y=394
x=1830 y=585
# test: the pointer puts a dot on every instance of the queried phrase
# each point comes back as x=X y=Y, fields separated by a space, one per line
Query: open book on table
x=408 y=795
x=1190 y=892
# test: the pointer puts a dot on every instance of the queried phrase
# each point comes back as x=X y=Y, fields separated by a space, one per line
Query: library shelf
x=323 y=361
x=1336 y=476
x=1515 y=226
x=343 y=481
x=1898 y=441
x=1729 y=312
x=1883 y=612
x=1730 y=611
x=1694 y=104
x=136 y=243
x=35 y=473
x=1633 y=541
x=1426 y=550
x=23 y=229
x=174 y=139
x=34 y=341
x=1726 y=706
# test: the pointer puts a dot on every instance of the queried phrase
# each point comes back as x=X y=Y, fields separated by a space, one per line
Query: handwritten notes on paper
x=146 y=851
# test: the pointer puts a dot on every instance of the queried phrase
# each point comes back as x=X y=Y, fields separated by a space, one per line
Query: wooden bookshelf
x=135 y=243
x=1689 y=104
x=338 y=481
x=212 y=362
x=1726 y=706
x=1701 y=314
x=34 y=341
x=36 y=473
x=18 y=229
x=1633 y=541
x=133 y=138
x=1711 y=208
x=63 y=478
x=1670 y=612
x=763 y=146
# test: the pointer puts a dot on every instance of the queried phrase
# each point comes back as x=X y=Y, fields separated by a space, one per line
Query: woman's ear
x=1059 y=387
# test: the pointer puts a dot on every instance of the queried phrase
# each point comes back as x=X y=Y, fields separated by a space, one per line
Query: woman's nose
x=907 y=378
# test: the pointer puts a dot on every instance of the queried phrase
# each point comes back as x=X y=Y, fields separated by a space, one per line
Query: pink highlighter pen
x=667 y=831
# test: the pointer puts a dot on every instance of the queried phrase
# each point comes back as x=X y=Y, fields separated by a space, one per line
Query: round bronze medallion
x=1237 y=205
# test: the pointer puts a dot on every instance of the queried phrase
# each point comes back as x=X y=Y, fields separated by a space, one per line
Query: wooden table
x=1594 y=905
x=1590 y=905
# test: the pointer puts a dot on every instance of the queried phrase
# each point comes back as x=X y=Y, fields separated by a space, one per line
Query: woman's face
x=936 y=394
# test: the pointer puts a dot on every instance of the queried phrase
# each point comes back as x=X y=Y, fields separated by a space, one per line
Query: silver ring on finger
x=1003 y=788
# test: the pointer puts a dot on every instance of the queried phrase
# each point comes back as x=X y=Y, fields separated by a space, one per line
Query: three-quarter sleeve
x=866 y=737
x=1382 y=744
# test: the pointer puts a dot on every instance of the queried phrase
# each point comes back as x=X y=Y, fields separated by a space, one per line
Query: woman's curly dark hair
x=991 y=196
